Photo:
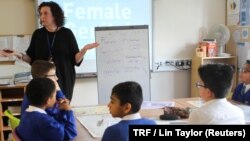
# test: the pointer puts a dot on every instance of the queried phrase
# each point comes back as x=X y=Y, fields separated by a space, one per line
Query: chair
x=14 y=122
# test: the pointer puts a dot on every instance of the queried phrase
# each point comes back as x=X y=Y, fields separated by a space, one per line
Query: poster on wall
x=233 y=12
x=243 y=53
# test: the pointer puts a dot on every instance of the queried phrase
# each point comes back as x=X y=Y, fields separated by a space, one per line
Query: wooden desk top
x=84 y=135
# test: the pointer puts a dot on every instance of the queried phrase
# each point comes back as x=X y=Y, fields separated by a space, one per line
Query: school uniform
x=119 y=131
x=36 y=125
x=217 y=111
x=51 y=111
x=242 y=94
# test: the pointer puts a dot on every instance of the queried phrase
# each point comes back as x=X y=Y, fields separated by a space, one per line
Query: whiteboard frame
x=104 y=96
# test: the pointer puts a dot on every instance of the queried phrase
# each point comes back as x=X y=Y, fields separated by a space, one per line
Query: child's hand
x=64 y=104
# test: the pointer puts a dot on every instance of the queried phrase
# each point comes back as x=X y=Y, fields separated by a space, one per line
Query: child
x=41 y=69
x=35 y=124
x=126 y=99
x=216 y=81
x=242 y=91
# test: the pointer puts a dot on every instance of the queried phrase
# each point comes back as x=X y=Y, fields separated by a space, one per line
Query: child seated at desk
x=242 y=91
x=42 y=69
x=215 y=83
x=35 y=124
x=126 y=99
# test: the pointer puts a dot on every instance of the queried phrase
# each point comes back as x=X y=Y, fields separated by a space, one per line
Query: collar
x=247 y=87
x=132 y=116
x=216 y=100
x=33 y=109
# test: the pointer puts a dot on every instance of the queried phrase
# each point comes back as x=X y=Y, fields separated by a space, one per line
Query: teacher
x=56 y=43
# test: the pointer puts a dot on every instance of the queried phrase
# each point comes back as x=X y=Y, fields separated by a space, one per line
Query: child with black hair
x=242 y=91
x=126 y=99
x=36 y=124
x=214 y=85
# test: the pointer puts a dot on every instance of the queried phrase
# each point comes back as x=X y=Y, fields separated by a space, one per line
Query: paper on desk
x=91 y=110
x=156 y=104
x=195 y=103
x=96 y=124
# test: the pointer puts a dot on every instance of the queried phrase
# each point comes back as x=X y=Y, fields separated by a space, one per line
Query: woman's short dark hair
x=217 y=77
x=129 y=92
x=56 y=11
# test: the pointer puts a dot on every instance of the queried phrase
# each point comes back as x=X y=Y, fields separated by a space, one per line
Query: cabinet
x=197 y=61
x=10 y=98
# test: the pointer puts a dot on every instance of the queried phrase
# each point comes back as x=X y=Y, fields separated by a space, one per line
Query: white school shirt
x=217 y=111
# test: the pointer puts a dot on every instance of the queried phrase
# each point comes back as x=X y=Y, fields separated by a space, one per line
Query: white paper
x=96 y=124
x=91 y=110
x=156 y=104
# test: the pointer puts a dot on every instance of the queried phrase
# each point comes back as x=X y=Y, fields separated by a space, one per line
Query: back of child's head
x=39 y=90
x=129 y=92
x=217 y=78
x=40 y=68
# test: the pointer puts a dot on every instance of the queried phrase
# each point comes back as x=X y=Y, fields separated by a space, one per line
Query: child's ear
x=210 y=93
x=127 y=108
x=48 y=102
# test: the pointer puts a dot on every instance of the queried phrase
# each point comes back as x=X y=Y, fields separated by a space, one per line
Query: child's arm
x=66 y=117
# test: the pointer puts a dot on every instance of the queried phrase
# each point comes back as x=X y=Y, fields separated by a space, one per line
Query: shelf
x=14 y=114
x=13 y=86
x=218 y=57
x=11 y=99
x=7 y=128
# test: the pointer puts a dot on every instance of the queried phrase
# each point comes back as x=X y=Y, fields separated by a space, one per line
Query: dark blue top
x=120 y=131
x=51 y=111
x=36 y=126
x=243 y=98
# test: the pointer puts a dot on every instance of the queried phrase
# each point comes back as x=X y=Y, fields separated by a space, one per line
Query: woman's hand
x=89 y=46
x=81 y=53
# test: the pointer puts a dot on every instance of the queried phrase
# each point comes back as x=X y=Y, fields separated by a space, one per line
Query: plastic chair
x=14 y=122
x=15 y=136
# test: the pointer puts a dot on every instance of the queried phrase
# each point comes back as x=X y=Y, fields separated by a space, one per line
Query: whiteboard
x=123 y=55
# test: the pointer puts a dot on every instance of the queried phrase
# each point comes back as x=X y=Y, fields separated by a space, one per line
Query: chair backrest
x=15 y=136
x=14 y=121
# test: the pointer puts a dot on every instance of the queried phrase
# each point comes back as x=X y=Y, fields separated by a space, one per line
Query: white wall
x=176 y=25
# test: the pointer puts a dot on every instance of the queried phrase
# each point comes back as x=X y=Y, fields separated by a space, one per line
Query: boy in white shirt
x=214 y=85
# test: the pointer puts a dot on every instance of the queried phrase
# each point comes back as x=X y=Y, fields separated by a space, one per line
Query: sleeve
x=31 y=49
x=108 y=135
x=25 y=104
x=54 y=130
x=59 y=94
x=73 y=48
x=67 y=118
x=235 y=94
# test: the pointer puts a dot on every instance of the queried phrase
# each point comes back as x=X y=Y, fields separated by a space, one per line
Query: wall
x=176 y=25
x=17 y=17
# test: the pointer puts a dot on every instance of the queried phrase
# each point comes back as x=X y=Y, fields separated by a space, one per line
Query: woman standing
x=56 y=43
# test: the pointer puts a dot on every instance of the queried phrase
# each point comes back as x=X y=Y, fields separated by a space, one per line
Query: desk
x=84 y=135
